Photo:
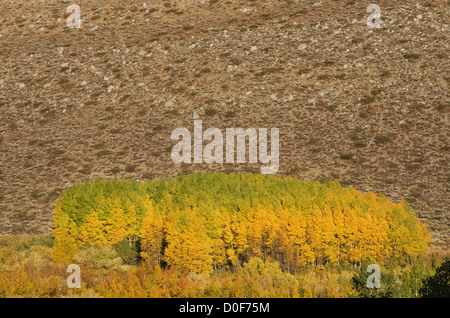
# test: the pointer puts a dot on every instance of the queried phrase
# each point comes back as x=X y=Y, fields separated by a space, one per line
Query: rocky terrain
x=368 y=107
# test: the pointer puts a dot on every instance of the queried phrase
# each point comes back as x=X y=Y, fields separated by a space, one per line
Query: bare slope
x=368 y=107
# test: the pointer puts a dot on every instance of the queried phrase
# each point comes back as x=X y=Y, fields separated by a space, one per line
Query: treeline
x=209 y=223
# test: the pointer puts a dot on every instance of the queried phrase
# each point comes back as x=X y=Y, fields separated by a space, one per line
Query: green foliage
x=43 y=240
x=412 y=277
x=382 y=139
x=210 y=112
x=389 y=286
x=438 y=285
x=105 y=257
x=129 y=254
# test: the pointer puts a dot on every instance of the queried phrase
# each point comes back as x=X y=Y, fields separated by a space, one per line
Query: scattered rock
x=169 y=104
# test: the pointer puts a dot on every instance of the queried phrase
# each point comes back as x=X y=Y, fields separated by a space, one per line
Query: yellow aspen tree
x=363 y=239
x=65 y=246
x=423 y=238
x=297 y=240
x=227 y=237
x=307 y=254
x=219 y=253
x=328 y=236
x=152 y=235
x=285 y=249
x=307 y=292
x=271 y=234
x=338 y=219
x=92 y=231
x=375 y=236
x=240 y=242
x=400 y=238
x=115 y=224
x=350 y=236
x=255 y=233
x=314 y=233
x=189 y=251
x=131 y=225
x=385 y=242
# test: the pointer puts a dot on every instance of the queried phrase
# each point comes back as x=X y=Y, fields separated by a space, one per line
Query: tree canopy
x=205 y=222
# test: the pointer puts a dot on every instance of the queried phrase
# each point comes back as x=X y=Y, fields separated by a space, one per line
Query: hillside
x=366 y=107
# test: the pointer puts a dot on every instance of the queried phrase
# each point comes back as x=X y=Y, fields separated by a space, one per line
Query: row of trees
x=201 y=223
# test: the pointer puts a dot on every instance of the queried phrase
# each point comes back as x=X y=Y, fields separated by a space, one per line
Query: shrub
x=128 y=253
x=346 y=156
x=66 y=83
x=130 y=168
x=115 y=170
x=411 y=56
x=104 y=257
x=382 y=139
x=103 y=153
x=210 y=112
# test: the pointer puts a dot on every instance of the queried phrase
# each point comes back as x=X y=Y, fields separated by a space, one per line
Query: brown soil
x=368 y=107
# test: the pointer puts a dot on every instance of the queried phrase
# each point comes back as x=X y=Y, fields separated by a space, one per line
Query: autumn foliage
x=200 y=224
